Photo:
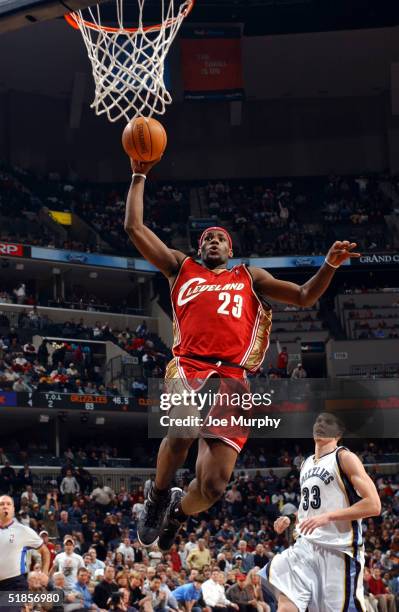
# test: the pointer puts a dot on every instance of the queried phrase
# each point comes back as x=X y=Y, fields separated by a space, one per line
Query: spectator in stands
x=99 y=546
x=58 y=580
x=74 y=512
x=377 y=587
x=254 y=587
x=94 y=563
x=25 y=476
x=234 y=498
x=50 y=545
x=111 y=531
x=298 y=372
x=81 y=591
x=68 y=562
x=69 y=487
x=20 y=293
x=213 y=593
x=282 y=358
x=43 y=353
x=260 y=556
x=187 y=595
x=50 y=524
x=247 y=557
x=37 y=583
x=7 y=478
x=29 y=497
x=65 y=527
x=158 y=596
x=35 y=320
x=127 y=550
x=142 y=330
x=138 y=599
x=199 y=557
x=394 y=588
x=102 y=496
x=241 y=595
x=29 y=352
x=370 y=601
x=105 y=588
x=138 y=506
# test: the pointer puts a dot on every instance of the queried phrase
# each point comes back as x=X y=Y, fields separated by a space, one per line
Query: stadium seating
x=266 y=216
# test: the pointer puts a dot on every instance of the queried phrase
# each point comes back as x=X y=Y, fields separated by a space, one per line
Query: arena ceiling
x=258 y=17
x=44 y=59
x=290 y=49
x=289 y=16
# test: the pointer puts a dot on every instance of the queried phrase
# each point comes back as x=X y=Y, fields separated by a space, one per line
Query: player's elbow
x=304 y=299
x=133 y=230
x=376 y=507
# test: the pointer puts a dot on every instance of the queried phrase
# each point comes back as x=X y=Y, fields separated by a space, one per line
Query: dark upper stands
x=266 y=217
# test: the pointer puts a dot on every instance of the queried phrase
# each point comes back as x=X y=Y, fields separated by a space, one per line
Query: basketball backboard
x=15 y=14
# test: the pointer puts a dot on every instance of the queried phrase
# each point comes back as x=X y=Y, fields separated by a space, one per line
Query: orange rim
x=73 y=19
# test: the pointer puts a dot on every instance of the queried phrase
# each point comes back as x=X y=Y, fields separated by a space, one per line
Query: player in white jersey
x=323 y=570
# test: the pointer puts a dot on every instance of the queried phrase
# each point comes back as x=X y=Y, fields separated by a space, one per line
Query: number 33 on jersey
x=218 y=314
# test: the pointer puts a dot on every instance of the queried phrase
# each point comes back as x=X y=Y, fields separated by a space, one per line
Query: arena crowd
x=266 y=216
x=98 y=562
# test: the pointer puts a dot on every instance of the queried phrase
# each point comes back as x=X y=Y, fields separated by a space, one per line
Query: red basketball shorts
x=220 y=388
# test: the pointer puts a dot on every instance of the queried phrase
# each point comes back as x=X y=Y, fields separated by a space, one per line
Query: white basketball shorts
x=317 y=578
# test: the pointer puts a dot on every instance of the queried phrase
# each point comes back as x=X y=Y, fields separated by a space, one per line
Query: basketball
x=144 y=139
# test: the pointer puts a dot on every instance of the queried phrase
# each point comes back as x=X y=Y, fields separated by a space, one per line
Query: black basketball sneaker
x=171 y=524
x=152 y=516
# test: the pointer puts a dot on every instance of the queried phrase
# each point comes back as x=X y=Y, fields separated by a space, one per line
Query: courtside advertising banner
x=8 y=249
x=211 y=62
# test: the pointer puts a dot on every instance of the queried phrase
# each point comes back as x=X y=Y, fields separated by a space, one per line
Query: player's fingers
x=306 y=524
x=354 y=255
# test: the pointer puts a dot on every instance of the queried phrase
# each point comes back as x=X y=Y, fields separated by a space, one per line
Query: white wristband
x=330 y=264
x=138 y=174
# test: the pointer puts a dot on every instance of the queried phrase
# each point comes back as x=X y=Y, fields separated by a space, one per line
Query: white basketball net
x=128 y=65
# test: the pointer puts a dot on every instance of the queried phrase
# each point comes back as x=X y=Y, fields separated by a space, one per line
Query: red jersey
x=219 y=315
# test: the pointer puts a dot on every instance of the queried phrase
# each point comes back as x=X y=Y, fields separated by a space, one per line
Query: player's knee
x=287 y=607
x=213 y=487
x=178 y=445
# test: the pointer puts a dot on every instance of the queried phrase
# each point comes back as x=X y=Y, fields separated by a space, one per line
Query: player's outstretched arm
x=167 y=260
x=307 y=294
x=368 y=505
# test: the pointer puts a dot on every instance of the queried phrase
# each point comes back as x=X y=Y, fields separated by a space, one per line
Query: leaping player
x=323 y=570
x=222 y=325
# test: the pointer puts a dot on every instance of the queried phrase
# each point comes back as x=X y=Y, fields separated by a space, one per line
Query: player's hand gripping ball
x=144 y=139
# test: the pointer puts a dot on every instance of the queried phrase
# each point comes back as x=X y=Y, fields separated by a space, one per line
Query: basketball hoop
x=128 y=63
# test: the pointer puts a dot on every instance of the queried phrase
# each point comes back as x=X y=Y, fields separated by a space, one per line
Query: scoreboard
x=71 y=401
